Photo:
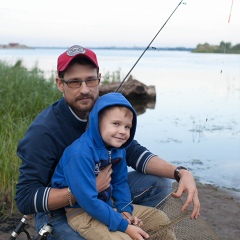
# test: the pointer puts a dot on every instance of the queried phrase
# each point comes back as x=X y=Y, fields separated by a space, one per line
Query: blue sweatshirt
x=51 y=132
x=82 y=161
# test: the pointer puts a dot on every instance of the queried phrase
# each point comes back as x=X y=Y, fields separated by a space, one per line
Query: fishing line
x=147 y=47
x=230 y=12
x=154 y=208
x=229 y=18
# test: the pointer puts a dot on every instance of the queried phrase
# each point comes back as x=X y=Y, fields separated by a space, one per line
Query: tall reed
x=23 y=95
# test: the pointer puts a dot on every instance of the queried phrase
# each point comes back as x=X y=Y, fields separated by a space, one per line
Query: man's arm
x=58 y=198
x=160 y=167
x=39 y=155
x=141 y=159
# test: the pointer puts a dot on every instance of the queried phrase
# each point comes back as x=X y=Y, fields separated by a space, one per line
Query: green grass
x=110 y=77
x=24 y=94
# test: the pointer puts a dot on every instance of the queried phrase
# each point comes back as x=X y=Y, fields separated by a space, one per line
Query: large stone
x=132 y=89
x=138 y=94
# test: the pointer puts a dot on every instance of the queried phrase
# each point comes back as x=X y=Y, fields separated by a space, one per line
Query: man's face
x=81 y=99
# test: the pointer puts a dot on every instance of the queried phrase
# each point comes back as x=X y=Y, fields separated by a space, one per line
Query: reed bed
x=24 y=94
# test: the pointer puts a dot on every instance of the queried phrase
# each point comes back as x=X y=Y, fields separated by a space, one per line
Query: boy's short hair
x=128 y=112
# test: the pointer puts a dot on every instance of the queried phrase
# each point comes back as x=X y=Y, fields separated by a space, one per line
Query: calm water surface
x=196 y=118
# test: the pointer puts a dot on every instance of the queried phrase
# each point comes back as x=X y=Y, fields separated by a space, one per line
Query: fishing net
x=170 y=223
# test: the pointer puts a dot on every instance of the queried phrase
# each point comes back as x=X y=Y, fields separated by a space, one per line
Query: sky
x=123 y=23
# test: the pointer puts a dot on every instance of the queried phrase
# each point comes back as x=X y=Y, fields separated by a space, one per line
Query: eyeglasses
x=90 y=82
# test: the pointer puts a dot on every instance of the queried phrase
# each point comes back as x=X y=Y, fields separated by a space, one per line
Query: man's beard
x=82 y=110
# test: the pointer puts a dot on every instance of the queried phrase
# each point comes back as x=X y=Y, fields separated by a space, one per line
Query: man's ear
x=59 y=84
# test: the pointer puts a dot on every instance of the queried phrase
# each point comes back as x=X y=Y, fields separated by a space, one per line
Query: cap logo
x=74 y=50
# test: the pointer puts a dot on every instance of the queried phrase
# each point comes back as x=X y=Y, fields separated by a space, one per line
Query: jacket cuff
x=41 y=199
x=143 y=161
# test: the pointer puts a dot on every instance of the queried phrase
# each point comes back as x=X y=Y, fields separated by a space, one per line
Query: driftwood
x=137 y=93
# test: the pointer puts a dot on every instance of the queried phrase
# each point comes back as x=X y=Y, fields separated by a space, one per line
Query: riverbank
x=220 y=208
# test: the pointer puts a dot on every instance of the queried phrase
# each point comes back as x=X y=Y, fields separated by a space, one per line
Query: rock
x=132 y=89
x=137 y=93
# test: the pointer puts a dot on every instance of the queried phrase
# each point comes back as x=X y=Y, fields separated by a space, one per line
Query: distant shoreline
x=103 y=48
x=201 y=48
x=130 y=48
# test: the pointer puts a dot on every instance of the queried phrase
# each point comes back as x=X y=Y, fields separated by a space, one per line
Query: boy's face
x=114 y=126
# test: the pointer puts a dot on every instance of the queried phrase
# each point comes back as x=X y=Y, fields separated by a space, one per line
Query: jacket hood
x=108 y=100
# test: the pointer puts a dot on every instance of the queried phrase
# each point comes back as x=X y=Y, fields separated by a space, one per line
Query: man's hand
x=160 y=167
x=104 y=178
x=187 y=184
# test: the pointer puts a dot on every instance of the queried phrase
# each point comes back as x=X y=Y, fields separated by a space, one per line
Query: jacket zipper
x=109 y=157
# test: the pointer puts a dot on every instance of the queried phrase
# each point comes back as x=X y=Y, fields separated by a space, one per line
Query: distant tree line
x=224 y=47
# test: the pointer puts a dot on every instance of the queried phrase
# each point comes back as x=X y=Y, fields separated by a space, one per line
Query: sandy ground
x=220 y=208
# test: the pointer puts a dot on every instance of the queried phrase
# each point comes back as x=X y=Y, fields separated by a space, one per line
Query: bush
x=108 y=77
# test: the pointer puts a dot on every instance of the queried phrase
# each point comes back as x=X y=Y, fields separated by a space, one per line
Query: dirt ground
x=220 y=208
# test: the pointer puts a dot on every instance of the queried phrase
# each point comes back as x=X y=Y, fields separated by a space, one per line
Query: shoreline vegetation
x=223 y=47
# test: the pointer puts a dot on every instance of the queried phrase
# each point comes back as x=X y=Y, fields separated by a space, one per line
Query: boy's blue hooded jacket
x=82 y=161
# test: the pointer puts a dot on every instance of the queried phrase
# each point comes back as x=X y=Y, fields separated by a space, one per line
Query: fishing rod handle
x=19 y=228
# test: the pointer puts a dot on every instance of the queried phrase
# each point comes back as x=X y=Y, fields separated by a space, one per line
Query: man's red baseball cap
x=74 y=52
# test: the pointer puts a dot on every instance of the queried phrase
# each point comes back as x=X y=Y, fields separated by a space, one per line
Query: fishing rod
x=148 y=46
x=42 y=234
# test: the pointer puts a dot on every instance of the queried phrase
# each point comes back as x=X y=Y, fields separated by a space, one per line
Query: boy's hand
x=136 y=233
x=132 y=220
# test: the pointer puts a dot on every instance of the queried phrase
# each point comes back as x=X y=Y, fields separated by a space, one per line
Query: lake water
x=196 y=118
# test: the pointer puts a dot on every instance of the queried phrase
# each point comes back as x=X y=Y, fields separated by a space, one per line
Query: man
x=63 y=122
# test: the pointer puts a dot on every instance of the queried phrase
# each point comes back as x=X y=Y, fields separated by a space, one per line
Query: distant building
x=14 y=45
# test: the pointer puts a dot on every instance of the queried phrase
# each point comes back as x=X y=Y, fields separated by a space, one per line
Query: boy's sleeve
x=121 y=192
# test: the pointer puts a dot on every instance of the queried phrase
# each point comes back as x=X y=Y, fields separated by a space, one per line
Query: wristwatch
x=176 y=172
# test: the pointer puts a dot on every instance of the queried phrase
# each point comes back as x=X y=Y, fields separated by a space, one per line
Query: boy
x=108 y=214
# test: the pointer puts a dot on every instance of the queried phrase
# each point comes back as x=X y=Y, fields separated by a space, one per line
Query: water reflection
x=141 y=106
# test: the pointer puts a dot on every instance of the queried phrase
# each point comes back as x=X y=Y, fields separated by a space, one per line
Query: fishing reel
x=42 y=234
